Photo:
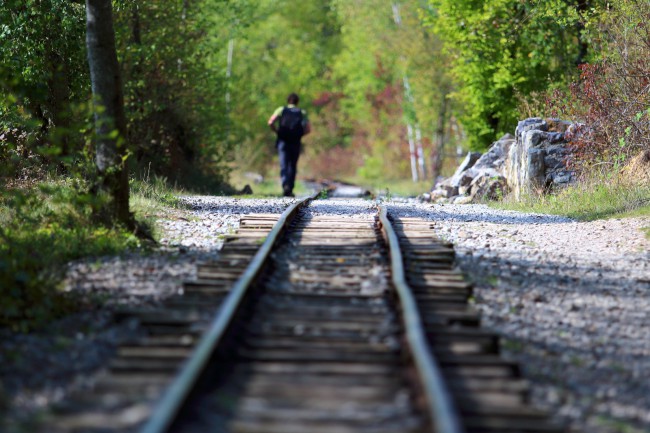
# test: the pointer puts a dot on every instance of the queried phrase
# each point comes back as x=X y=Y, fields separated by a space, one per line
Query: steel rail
x=445 y=418
x=175 y=396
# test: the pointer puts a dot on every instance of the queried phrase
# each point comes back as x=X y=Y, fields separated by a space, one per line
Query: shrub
x=612 y=96
x=41 y=229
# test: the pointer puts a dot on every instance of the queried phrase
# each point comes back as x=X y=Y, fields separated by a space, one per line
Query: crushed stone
x=571 y=301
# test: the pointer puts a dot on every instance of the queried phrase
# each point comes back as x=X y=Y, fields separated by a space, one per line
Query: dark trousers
x=288 y=152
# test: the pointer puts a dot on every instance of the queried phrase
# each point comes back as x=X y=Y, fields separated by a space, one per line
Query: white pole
x=413 y=151
x=231 y=49
x=418 y=143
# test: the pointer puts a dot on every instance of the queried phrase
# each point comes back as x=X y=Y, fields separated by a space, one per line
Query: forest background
x=380 y=80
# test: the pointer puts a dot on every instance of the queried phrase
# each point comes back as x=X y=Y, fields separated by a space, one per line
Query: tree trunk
x=439 y=142
x=110 y=120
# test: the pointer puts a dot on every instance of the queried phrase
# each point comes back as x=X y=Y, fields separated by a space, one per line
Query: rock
x=495 y=157
x=488 y=185
x=534 y=160
x=462 y=199
x=438 y=193
x=533 y=123
x=475 y=165
x=449 y=190
x=467 y=163
x=536 y=163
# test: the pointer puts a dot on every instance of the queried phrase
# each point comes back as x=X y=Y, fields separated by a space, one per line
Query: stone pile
x=531 y=161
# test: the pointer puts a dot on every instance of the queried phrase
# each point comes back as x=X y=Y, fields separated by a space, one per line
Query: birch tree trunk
x=439 y=142
x=110 y=120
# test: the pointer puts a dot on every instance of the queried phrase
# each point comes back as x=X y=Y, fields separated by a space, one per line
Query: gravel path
x=571 y=299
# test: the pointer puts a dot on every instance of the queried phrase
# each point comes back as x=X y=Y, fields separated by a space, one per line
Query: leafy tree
x=611 y=95
x=288 y=49
x=43 y=73
x=110 y=120
x=503 y=48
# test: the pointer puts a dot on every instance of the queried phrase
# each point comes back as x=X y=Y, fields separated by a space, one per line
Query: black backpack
x=291 y=128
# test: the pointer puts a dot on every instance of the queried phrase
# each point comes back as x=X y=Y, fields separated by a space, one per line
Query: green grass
x=45 y=226
x=597 y=198
x=151 y=199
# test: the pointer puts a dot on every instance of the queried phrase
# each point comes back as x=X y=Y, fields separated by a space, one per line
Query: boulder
x=536 y=163
x=462 y=199
x=467 y=163
x=488 y=185
x=496 y=155
x=533 y=160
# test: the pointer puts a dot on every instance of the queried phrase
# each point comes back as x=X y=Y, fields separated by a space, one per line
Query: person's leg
x=285 y=157
x=292 y=155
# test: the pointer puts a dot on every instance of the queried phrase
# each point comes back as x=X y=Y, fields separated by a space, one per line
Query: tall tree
x=503 y=50
x=110 y=120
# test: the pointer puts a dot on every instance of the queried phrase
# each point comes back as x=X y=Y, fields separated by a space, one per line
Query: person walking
x=290 y=124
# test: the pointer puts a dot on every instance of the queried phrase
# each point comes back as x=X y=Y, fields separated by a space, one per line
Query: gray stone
x=495 y=157
x=438 y=193
x=533 y=138
x=533 y=123
x=536 y=167
x=488 y=185
x=467 y=163
x=562 y=177
x=450 y=190
x=536 y=163
x=462 y=199
x=534 y=160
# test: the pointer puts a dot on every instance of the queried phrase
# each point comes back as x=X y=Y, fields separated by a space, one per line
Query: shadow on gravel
x=580 y=333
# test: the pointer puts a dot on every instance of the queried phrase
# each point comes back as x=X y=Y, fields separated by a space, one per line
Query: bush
x=42 y=228
x=612 y=96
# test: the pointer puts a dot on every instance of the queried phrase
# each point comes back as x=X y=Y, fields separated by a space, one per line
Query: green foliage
x=43 y=79
x=174 y=101
x=289 y=49
x=611 y=95
x=504 y=47
x=367 y=61
x=41 y=229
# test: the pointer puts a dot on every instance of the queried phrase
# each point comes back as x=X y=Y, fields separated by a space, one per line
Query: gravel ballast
x=572 y=301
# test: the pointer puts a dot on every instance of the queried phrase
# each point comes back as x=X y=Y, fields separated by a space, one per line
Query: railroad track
x=324 y=324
